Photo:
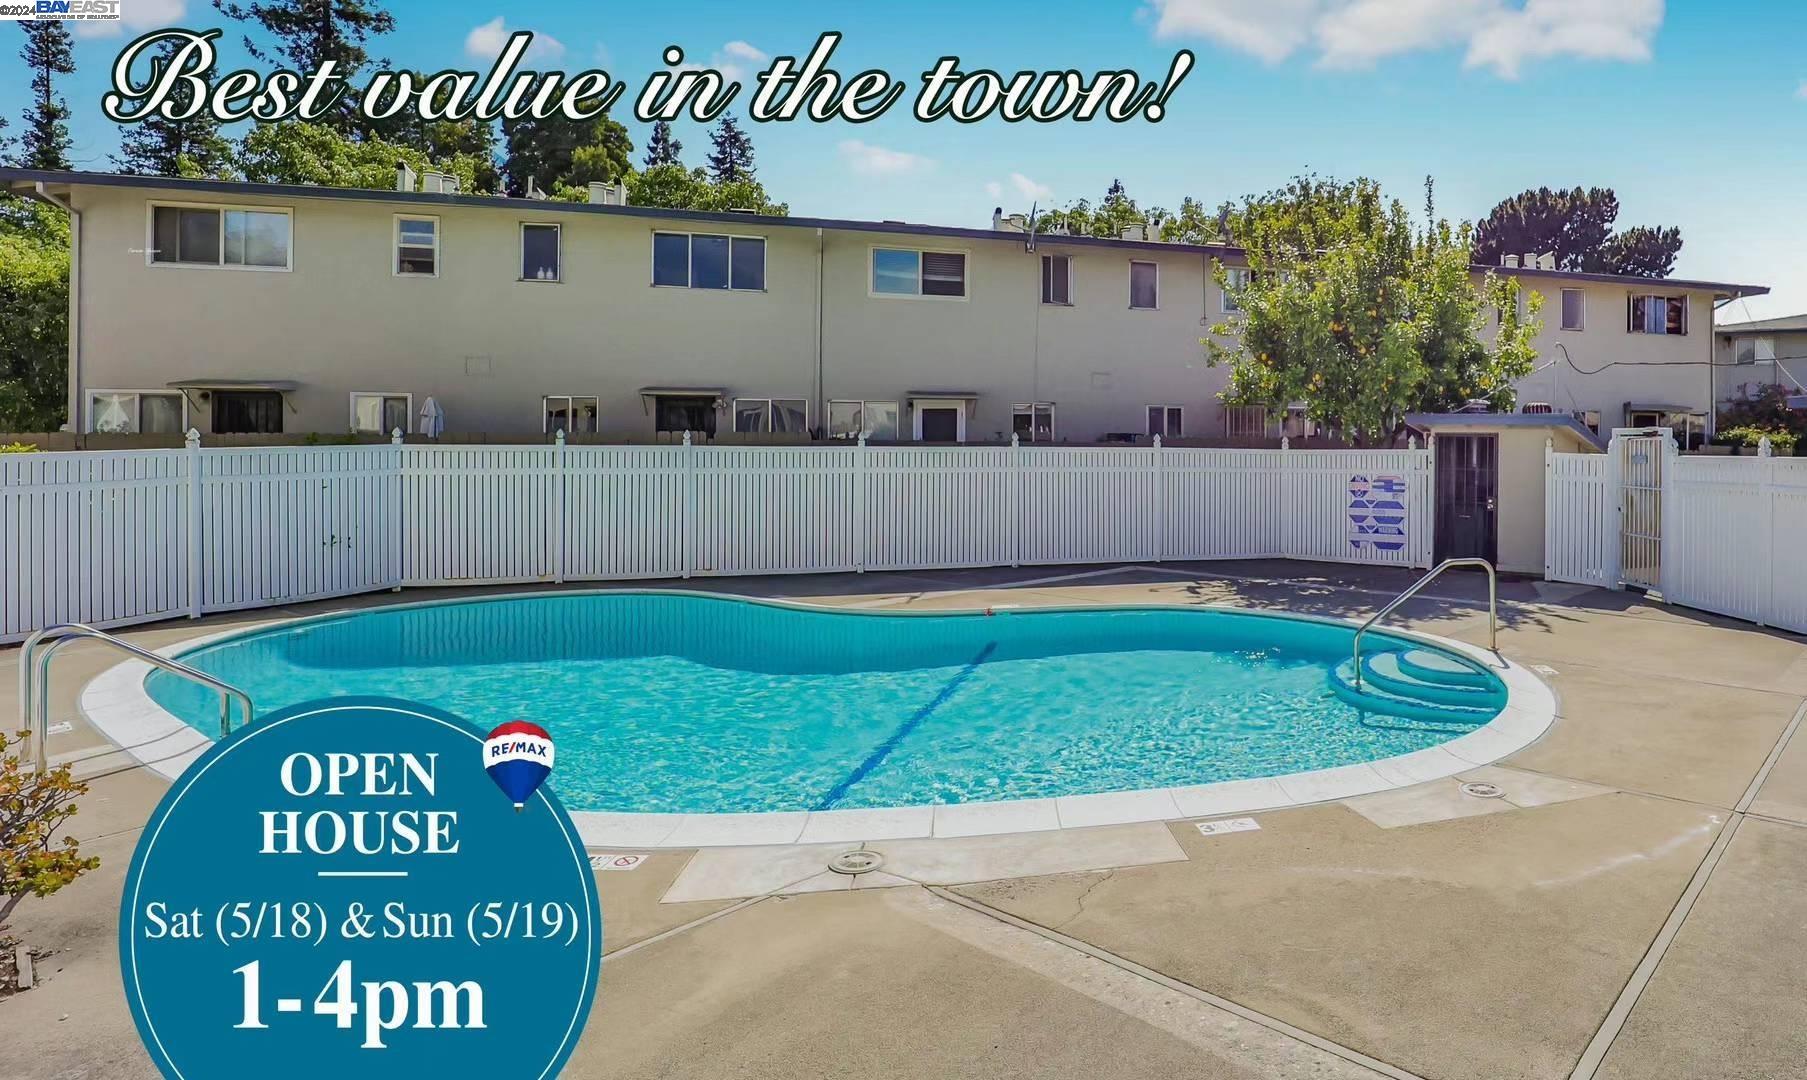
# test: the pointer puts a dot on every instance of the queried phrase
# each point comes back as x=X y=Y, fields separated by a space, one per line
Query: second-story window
x=1057 y=280
x=539 y=252
x=904 y=272
x=1574 y=309
x=709 y=261
x=1236 y=279
x=1144 y=285
x=1657 y=315
x=220 y=236
x=417 y=246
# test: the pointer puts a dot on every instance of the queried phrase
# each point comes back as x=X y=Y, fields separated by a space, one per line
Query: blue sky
x=1694 y=116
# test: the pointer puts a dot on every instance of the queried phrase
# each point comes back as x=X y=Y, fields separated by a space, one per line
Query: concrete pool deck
x=1632 y=906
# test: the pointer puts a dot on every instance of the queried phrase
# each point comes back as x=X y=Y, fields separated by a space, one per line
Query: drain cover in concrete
x=856 y=862
x=1481 y=790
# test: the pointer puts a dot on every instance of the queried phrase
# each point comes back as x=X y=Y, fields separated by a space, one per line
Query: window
x=219 y=236
x=851 y=419
x=1657 y=315
x=1144 y=282
x=1236 y=279
x=247 y=412
x=899 y=272
x=573 y=415
x=416 y=246
x=1033 y=421
x=1057 y=279
x=685 y=412
x=381 y=413
x=698 y=261
x=1574 y=309
x=1246 y=422
x=777 y=415
x=134 y=412
x=1760 y=350
x=539 y=252
x=1167 y=421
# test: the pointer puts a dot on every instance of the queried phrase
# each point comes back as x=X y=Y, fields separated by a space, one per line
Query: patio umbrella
x=432 y=419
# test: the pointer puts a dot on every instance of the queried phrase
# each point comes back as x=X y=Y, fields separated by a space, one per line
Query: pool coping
x=118 y=705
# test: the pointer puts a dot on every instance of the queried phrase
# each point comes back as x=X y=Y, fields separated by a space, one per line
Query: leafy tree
x=662 y=147
x=1363 y=316
x=1107 y=218
x=441 y=140
x=297 y=152
x=675 y=188
x=1577 y=225
x=731 y=152
x=34 y=807
x=1767 y=410
x=308 y=33
x=49 y=52
x=548 y=152
x=160 y=146
x=34 y=318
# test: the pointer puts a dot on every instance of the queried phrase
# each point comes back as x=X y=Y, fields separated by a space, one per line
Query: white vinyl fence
x=1730 y=535
x=111 y=538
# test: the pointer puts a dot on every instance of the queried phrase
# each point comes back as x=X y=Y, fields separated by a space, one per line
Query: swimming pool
x=685 y=703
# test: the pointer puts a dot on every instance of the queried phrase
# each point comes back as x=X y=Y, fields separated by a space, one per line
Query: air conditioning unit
x=439 y=183
x=608 y=194
x=1510 y=262
x=1018 y=222
x=1529 y=260
x=1134 y=232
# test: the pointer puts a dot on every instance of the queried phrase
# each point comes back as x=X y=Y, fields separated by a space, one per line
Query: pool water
x=697 y=704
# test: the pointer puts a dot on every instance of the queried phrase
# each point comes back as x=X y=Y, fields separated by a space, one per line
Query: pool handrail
x=34 y=678
x=1493 y=607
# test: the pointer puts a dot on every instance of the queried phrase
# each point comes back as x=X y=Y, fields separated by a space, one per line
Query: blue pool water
x=663 y=702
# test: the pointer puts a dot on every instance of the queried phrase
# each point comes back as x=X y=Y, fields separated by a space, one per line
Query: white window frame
x=966 y=276
x=1030 y=408
x=1562 y=314
x=734 y=410
x=166 y=392
x=396 y=245
x=652 y=260
x=1068 y=302
x=407 y=428
x=570 y=407
x=1665 y=298
x=150 y=236
x=1166 y=410
x=1757 y=349
x=917 y=405
x=1131 y=283
x=865 y=405
x=521 y=256
x=1226 y=302
x=1266 y=419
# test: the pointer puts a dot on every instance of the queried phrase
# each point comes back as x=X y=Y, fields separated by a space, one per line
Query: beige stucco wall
x=1789 y=369
x=488 y=346
x=1520 y=513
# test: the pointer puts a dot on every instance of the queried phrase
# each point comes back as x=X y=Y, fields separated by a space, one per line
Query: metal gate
x=1639 y=455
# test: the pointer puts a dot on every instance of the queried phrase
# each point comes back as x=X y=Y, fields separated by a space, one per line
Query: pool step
x=1411 y=700
x=1389 y=672
x=1438 y=668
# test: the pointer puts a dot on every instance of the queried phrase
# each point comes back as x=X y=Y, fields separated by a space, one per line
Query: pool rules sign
x=341 y=890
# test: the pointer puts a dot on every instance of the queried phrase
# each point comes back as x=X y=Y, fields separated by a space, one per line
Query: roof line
x=16 y=176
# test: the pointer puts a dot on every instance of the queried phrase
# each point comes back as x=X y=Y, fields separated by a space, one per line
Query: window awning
x=960 y=395
x=1638 y=406
x=649 y=393
x=281 y=386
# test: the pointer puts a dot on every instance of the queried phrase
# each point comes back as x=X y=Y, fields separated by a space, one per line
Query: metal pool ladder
x=34 y=678
x=1493 y=606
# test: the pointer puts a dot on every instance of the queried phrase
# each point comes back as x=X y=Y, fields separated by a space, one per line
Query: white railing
x=112 y=538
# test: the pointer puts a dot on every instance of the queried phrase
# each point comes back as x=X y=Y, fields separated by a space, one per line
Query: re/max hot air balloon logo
x=518 y=757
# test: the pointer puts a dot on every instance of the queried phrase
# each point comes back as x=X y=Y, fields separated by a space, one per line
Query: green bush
x=1781 y=443
x=18 y=448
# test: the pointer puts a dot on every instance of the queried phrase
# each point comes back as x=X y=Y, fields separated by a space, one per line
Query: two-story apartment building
x=236 y=307
x=1757 y=354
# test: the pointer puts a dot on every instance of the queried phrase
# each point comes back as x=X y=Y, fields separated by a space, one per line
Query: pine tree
x=559 y=150
x=160 y=146
x=308 y=33
x=731 y=156
x=662 y=148
x=48 y=52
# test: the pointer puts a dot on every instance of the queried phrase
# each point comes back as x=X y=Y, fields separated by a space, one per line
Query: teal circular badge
x=341 y=890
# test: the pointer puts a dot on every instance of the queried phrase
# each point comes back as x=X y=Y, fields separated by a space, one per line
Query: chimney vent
x=1509 y=261
x=404 y=177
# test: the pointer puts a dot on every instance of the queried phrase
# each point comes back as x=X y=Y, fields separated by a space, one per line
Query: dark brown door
x=1468 y=488
x=940 y=425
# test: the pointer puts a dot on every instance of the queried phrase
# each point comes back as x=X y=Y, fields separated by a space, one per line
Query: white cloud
x=137 y=16
x=485 y=43
x=1029 y=189
x=869 y=160
x=996 y=190
x=1502 y=35
x=736 y=61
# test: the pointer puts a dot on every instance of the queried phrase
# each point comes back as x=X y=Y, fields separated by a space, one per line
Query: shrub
x=33 y=808
x=18 y=448
x=1781 y=443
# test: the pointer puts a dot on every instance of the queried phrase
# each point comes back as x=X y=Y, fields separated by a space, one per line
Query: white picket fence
x=1729 y=539
x=111 y=538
